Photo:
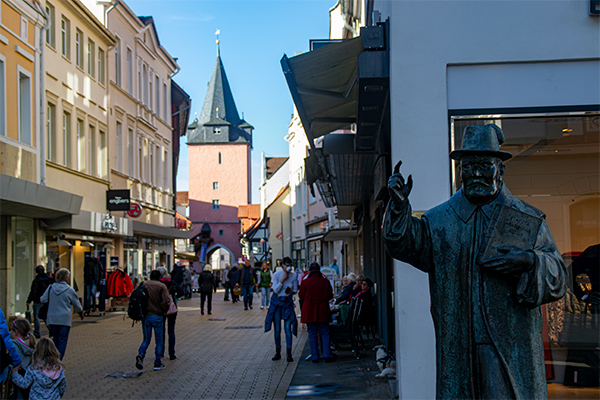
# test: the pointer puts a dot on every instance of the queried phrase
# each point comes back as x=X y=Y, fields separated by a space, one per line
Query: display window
x=556 y=168
x=22 y=263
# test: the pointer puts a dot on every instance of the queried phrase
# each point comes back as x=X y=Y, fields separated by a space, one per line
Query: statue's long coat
x=445 y=243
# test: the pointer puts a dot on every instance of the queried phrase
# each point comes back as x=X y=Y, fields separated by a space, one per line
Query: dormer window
x=217 y=131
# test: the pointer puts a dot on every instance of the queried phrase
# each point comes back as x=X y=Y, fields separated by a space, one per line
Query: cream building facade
x=77 y=135
x=141 y=136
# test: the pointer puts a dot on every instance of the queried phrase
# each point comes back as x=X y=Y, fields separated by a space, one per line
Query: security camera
x=60 y=235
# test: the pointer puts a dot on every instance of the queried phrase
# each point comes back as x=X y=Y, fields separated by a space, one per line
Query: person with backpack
x=38 y=287
x=158 y=303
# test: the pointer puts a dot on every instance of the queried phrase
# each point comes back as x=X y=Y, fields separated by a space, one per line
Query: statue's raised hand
x=398 y=188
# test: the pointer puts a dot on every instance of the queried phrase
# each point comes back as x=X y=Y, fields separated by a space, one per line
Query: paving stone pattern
x=212 y=362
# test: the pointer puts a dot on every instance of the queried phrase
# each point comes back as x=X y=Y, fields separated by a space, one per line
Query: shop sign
x=114 y=261
x=117 y=200
x=135 y=210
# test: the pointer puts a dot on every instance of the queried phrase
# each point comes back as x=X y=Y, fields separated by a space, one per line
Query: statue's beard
x=480 y=191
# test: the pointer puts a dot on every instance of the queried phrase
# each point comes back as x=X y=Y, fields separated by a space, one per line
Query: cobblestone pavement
x=216 y=359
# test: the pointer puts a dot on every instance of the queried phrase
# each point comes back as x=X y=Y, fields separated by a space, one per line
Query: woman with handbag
x=175 y=291
x=61 y=299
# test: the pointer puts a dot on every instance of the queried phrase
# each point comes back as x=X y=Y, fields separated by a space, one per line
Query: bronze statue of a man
x=486 y=309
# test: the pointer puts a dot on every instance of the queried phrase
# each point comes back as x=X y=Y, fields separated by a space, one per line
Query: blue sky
x=254 y=36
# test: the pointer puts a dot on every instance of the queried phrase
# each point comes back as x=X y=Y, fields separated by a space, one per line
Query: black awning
x=323 y=85
x=333 y=87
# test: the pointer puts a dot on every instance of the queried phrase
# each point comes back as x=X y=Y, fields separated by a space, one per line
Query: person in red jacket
x=314 y=295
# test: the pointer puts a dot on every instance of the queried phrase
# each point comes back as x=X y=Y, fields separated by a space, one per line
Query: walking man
x=38 y=287
x=264 y=283
x=285 y=285
x=208 y=285
x=158 y=305
x=247 y=282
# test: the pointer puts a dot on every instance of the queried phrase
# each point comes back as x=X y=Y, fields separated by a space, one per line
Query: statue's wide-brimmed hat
x=482 y=140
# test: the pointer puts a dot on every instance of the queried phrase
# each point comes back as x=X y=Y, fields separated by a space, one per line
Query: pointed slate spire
x=219 y=121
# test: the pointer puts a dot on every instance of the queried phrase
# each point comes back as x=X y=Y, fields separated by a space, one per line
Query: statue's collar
x=465 y=209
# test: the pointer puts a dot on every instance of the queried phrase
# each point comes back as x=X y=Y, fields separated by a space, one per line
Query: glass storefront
x=22 y=263
x=556 y=168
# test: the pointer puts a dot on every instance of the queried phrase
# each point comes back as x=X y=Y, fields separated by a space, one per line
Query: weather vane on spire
x=218 y=32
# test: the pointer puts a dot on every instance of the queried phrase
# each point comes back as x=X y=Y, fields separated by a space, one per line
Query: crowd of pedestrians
x=37 y=362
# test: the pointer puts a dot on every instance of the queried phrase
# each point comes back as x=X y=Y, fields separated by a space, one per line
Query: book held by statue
x=509 y=227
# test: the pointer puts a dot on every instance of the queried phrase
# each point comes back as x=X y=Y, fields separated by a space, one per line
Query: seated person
x=348 y=285
x=366 y=296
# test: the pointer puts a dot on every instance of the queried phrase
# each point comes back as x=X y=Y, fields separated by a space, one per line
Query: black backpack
x=138 y=303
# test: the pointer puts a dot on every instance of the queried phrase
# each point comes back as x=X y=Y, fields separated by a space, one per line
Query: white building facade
x=532 y=69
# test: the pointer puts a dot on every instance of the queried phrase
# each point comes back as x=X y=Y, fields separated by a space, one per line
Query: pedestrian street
x=225 y=355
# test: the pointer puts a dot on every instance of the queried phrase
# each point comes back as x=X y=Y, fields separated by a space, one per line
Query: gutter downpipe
x=107 y=11
x=42 y=91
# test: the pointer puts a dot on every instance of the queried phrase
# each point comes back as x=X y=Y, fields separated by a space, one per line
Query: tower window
x=216 y=204
x=215 y=185
x=216 y=130
x=220 y=232
x=220 y=158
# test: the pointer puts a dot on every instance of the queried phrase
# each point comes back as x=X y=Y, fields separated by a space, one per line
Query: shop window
x=23 y=252
x=556 y=168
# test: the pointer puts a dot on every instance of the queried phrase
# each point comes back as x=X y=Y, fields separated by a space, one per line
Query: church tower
x=219 y=147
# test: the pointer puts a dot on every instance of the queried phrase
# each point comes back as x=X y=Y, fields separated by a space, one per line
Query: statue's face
x=481 y=177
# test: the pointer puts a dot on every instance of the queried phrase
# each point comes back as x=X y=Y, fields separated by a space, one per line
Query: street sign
x=135 y=210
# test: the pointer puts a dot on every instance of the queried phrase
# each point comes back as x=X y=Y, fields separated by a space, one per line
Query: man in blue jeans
x=158 y=305
x=285 y=285
x=247 y=281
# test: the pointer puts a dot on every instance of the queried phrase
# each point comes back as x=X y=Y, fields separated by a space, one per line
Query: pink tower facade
x=219 y=148
x=226 y=182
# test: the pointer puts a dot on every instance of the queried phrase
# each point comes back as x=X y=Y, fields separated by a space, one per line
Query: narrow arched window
x=220 y=158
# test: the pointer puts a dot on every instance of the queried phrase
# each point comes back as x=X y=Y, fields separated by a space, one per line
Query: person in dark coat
x=208 y=285
x=314 y=295
x=234 y=279
x=247 y=282
x=486 y=310
x=38 y=287
x=177 y=274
